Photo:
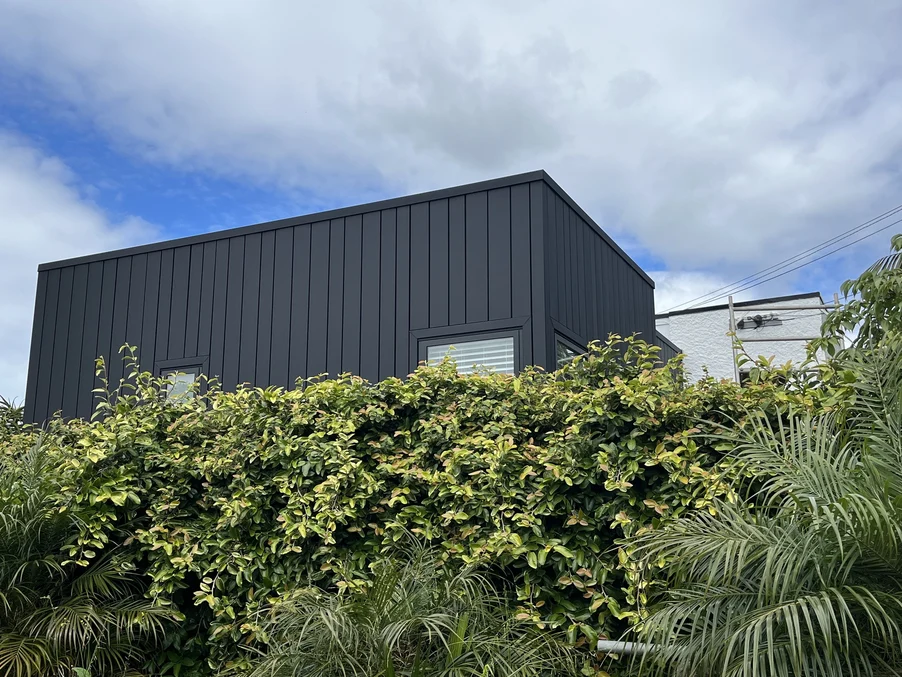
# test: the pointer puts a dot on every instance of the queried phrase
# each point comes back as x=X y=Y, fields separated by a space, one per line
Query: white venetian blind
x=496 y=354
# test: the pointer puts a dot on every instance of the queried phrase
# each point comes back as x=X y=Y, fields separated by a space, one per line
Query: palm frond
x=804 y=576
x=414 y=618
x=56 y=616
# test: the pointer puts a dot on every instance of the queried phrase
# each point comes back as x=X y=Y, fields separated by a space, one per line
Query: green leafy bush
x=239 y=498
x=57 y=618
x=415 y=618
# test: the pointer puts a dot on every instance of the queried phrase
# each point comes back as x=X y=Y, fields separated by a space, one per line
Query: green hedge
x=232 y=499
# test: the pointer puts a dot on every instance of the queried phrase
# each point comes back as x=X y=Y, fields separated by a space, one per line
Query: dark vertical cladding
x=350 y=326
x=89 y=353
x=388 y=252
x=336 y=296
x=357 y=290
x=304 y=326
x=477 y=261
x=218 y=315
x=439 y=276
x=499 y=259
x=404 y=361
x=597 y=290
x=280 y=330
x=265 y=314
x=669 y=350
x=370 y=318
x=419 y=266
x=457 y=260
x=34 y=360
x=316 y=327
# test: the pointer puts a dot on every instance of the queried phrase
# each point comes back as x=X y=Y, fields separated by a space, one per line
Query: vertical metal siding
x=34 y=359
x=439 y=275
x=315 y=326
x=250 y=310
x=477 y=264
x=265 y=312
x=499 y=254
x=207 y=293
x=345 y=294
x=387 y=270
x=231 y=349
x=368 y=332
x=178 y=306
x=595 y=291
x=419 y=266
x=336 y=295
x=350 y=326
x=85 y=403
x=280 y=329
x=73 y=342
x=147 y=343
x=457 y=260
x=195 y=288
x=218 y=316
x=541 y=289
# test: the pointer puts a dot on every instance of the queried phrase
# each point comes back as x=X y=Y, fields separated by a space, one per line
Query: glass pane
x=180 y=385
x=495 y=354
x=565 y=353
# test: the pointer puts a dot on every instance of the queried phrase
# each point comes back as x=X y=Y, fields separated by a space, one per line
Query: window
x=565 y=351
x=180 y=381
x=495 y=354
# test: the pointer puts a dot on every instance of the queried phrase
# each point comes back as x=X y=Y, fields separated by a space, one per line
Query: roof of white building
x=743 y=304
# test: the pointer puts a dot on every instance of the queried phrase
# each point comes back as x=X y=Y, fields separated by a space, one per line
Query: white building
x=702 y=334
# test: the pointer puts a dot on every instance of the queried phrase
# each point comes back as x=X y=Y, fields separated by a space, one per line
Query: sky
x=709 y=139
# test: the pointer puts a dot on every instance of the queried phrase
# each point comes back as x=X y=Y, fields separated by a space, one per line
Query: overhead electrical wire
x=801 y=265
x=728 y=289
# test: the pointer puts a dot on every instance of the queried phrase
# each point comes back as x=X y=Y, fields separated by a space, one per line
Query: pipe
x=625 y=648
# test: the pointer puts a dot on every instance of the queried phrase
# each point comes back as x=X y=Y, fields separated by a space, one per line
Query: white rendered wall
x=702 y=336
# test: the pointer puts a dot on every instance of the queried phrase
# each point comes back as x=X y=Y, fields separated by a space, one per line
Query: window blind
x=496 y=354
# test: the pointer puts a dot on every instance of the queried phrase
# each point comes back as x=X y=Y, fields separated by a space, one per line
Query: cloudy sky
x=711 y=139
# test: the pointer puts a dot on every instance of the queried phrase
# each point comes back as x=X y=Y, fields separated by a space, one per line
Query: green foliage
x=57 y=618
x=872 y=303
x=11 y=415
x=416 y=618
x=239 y=498
x=805 y=576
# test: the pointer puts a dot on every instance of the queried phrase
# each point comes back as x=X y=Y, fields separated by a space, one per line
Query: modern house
x=778 y=327
x=511 y=272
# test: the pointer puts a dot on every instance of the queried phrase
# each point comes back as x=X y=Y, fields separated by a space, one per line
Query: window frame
x=198 y=365
x=569 y=343
x=424 y=344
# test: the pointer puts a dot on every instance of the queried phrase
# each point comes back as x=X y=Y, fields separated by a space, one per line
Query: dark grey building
x=510 y=271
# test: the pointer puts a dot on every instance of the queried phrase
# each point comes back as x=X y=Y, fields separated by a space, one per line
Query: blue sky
x=710 y=139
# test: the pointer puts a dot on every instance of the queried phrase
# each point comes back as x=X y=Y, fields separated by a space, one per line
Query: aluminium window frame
x=470 y=337
x=200 y=363
x=569 y=343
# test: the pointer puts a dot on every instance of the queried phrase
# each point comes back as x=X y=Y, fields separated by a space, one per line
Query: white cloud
x=675 y=288
x=43 y=217
x=717 y=137
x=713 y=135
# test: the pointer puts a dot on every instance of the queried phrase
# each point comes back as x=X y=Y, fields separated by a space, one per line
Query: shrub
x=415 y=618
x=238 y=498
x=57 y=618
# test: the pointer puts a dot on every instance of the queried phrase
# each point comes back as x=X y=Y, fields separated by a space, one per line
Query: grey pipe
x=625 y=648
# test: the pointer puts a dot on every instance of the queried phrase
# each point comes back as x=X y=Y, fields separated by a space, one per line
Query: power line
x=704 y=298
x=793 y=259
x=802 y=265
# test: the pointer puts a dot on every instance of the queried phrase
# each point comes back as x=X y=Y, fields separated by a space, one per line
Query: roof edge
x=743 y=304
x=604 y=236
x=341 y=212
